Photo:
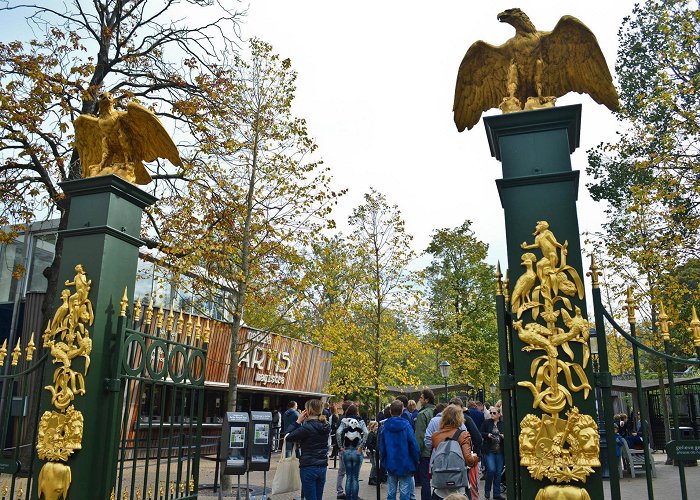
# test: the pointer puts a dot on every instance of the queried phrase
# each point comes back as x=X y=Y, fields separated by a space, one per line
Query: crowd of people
x=437 y=450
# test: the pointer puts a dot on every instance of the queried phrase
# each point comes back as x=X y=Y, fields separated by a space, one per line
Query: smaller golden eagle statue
x=531 y=70
x=118 y=142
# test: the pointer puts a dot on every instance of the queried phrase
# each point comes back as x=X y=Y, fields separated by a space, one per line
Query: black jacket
x=486 y=429
x=313 y=437
x=475 y=433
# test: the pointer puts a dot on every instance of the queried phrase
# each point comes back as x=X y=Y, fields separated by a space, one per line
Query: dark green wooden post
x=538 y=184
x=103 y=236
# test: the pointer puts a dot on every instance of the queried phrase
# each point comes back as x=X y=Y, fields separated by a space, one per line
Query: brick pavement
x=666 y=484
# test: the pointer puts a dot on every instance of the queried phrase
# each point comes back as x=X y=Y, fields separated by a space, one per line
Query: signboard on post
x=683 y=450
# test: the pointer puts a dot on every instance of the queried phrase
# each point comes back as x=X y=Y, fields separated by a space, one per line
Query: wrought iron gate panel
x=19 y=415
x=161 y=379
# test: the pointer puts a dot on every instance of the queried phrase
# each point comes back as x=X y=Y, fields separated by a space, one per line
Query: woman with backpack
x=444 y=481
x=351 y=436
x=492 y=451
x=311 y=430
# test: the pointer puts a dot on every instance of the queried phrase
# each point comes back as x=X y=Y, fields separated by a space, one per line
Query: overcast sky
x=376 y=83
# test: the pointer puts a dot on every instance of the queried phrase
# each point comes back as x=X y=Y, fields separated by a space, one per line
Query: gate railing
x=162 y=369
x=19 y=415
x=601 y=314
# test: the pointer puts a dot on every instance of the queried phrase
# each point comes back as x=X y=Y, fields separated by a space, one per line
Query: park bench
x=633 y=459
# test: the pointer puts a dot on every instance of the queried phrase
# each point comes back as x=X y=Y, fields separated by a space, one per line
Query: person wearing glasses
x=492 y=452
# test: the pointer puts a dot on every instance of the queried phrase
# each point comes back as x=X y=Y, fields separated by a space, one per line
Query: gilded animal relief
x=60 y=431
x=60 y=434
x=562 y=450
x=118 y=142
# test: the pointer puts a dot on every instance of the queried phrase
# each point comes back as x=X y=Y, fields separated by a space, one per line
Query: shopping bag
x=286 y=477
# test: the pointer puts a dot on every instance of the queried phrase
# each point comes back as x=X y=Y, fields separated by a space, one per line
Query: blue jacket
x=398 y=447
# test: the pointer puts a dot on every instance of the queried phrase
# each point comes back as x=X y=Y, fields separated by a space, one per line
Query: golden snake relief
x=61 y=430
x=552 y=447
x=538 y=291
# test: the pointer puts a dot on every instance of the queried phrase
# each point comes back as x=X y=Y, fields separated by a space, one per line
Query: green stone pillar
x=103 y=237
x=538 y=184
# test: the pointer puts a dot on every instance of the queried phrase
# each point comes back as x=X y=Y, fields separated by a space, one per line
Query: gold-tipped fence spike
x=594 y=273
x=138 y=493
x=20 y=493
x=149 y=311
x=188 y=329
x=125 y=496
x=172 y=488
x=695 y=328
x=124 y=303
x=180 y=326
x=506 y=287
x=159 y=317
x=499 y=283
x=631 y=306
x=31 y=347
x=150 y=492
x=3 y=353
x=161 y=490
x=198 y=329
x=47 y=335
x=171 y=318
x=137 y=310
x=182 y=487
x=4 y=489
x=192 y=483
x=207 y=333
x=16 y=353
x=663 y=323
x=111 y=496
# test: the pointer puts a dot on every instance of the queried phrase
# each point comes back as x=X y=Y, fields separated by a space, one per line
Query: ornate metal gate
x=19 y=417
x=161 y=370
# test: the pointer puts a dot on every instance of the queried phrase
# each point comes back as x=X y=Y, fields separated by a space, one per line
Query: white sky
x=376 y=83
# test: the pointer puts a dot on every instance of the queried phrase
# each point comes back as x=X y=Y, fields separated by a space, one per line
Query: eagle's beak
x=502 y=17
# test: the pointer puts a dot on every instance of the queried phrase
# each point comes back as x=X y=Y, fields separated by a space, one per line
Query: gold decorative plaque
x=553 y=492
x=61 y=430
x=559 y=449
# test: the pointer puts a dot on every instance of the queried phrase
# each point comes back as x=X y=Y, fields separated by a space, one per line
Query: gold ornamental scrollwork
x=553 y=447
x=61 y=429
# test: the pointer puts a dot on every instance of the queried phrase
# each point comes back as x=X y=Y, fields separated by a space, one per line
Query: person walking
x=399 y=451
x=351 y=437
x=311 y=431
x=425 y=414
x=451 y=422
x=340 y=480
x=492 y=452
x=372 y=445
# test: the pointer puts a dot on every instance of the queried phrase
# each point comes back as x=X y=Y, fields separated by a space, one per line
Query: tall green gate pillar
x=79 y=428
x=551 y=411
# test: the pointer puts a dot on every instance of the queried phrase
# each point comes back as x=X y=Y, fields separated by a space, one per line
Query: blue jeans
x=313 y=479
x=405 y=485
x=353 y=461
x=494 y=469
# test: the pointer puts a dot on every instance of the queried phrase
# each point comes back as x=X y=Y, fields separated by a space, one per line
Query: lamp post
x=492 y=389
x=445 y=372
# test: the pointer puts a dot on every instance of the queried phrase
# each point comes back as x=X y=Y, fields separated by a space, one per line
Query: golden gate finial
x=499 y=283
x=124 y=304
x=630 y=307
x=695 y=328
x=594 y=273
x=663 y=323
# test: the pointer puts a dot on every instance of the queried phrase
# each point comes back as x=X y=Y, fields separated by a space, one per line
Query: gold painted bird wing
x=148 y=138
x=482 y=83
x=88 y=141
x=574 y=62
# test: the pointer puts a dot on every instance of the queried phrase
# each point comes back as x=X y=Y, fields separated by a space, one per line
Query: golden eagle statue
x=531 y=70
x=118 y=142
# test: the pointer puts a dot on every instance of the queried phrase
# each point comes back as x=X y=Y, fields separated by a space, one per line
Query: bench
x=633 y=460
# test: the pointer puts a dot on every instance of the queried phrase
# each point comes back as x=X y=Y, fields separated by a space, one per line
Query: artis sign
x=259 y=354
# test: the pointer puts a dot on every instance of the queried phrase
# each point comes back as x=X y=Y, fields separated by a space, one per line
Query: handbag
x=287 y=477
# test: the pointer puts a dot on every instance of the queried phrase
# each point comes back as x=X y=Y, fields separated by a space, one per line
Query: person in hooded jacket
x=399 y=453
x=351 y=437
x=311 y=431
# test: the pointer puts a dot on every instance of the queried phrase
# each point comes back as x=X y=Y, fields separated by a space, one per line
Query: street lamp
x=492 y=388
x=445 y=372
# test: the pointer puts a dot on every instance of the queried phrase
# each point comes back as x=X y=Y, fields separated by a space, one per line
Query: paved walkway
x=666 y=484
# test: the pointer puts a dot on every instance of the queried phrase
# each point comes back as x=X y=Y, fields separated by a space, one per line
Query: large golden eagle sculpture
x=531 y=70
x=118 y=142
